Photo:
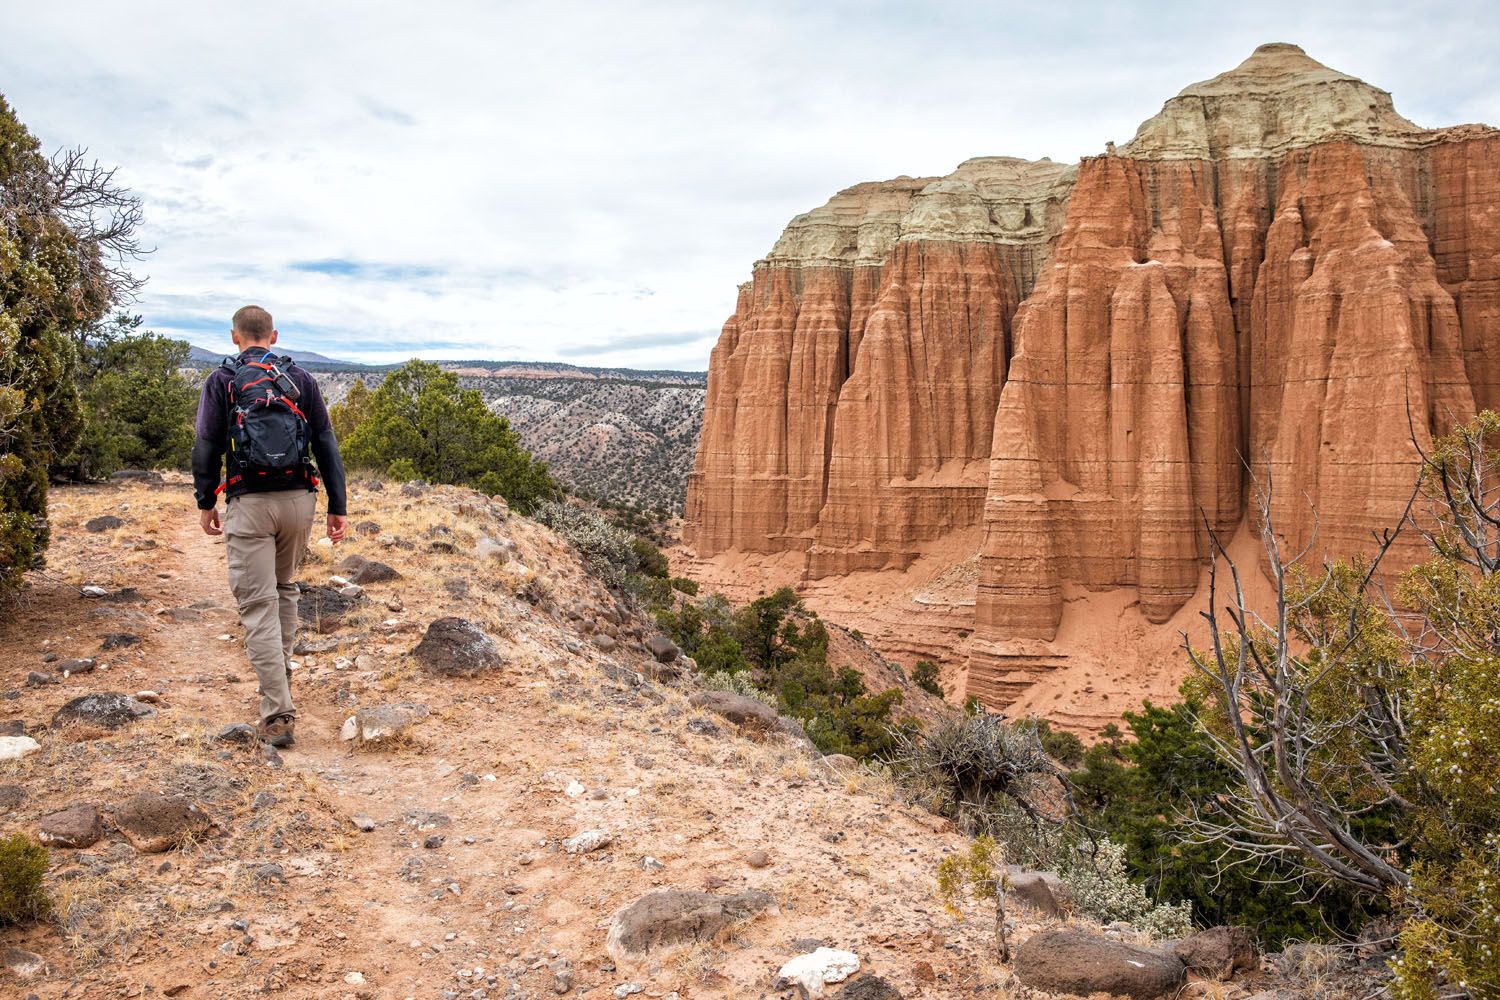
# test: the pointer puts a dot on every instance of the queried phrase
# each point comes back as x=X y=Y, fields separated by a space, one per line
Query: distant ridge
x=201 y=357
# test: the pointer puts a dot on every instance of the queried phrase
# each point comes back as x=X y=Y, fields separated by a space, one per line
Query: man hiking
x=258 y=419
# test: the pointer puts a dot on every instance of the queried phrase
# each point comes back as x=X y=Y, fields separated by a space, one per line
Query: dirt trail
x=461 y=889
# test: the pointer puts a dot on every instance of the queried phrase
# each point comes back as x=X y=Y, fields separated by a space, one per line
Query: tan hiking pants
x=266 y=536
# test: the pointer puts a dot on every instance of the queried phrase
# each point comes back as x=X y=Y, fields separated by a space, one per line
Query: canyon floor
x=1105 y=660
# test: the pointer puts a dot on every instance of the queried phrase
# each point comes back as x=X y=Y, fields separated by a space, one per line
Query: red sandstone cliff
x=1065 y=370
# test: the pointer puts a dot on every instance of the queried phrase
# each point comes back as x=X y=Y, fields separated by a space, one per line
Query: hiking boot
x=277 y=730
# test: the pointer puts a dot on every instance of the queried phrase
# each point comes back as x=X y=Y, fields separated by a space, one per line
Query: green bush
x=683 y=585
x=649 y=559
x=605 y=546
x=421 y=424
x=52 y=287
x=22 y=865
x=138 y=404
x=783 y=648
x=1139 y=789
x=1061 y=745
x=925 y=676
x=1102 y=889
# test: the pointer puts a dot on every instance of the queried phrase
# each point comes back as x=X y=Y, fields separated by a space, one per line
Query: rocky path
x=463 y=883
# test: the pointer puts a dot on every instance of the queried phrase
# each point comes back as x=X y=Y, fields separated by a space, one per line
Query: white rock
x=354 y=978
x=488 y=548
x=350 y=730
x=574 y=789
x=93 y=591
x=338 y=581
x=588 y=840
x=149 y=697
x=817 y=969
x=16 y=747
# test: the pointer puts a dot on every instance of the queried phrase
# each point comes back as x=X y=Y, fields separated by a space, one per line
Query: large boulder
x=79 y=825
x=1042 y=891
x=105 y=709
x=456 y=647
x=358 y=569
x=1071 y=961
x=1219 y=952
x=678 y=917
x=155 y=823
x=738 y=709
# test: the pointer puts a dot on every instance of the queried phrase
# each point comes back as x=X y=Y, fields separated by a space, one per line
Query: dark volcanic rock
x=324 y=608
x=456 y=647
x=664 y=649
x=107 y=522
x=677 y=916
x=119 y=640
x=738 y=709
x=108 y=709
x=1042 y=891
x=1071 y=961
x=868 y=988
x=358 y=569
x=79 y=825
x=1219 y=952
x=155 y=823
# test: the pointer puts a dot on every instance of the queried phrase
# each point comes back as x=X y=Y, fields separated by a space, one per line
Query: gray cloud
x=621 y=163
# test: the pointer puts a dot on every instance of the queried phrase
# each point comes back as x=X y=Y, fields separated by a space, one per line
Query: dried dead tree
x=103 y=215
x=978 y=766
x=1313 y=714
x=1311 y=717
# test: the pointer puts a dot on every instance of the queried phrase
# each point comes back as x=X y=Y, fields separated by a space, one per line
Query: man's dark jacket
x=213 y=439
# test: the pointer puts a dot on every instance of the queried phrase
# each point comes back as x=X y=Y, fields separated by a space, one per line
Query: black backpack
x=268 y=434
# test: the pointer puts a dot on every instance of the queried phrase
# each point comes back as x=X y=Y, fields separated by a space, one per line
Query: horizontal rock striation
x=1080 y=370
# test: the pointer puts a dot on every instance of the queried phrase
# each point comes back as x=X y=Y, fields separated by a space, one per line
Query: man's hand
x=336 y=527
x=210 y=521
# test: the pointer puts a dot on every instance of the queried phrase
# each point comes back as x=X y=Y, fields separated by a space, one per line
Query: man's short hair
x=254 y=322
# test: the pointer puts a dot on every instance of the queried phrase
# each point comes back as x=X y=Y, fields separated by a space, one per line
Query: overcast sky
x=587 y=182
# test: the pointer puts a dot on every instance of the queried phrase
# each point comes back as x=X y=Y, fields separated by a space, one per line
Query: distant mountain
x=203 y=356
x=311 y=360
